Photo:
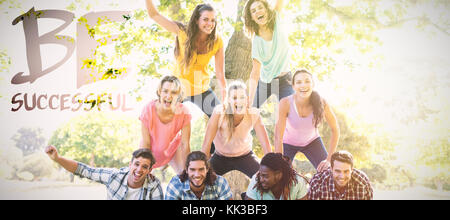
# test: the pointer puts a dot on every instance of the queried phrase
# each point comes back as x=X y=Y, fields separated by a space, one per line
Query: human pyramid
x=227 y=145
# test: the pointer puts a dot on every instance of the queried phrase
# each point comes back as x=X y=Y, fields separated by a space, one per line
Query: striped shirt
x=177 y=190
x=116 y=182
x=322 y=187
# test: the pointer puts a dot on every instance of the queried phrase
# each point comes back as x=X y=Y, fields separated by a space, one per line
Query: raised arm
x=166 y=23
x=283 y=112
x=279 y=6
x=69 y=165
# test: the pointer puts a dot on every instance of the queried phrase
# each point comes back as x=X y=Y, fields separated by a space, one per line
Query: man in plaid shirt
x=341 y=181
x=198 y=181
x=129 y=183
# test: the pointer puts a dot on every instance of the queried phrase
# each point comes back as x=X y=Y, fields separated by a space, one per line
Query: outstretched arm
x=166 y=23
x=69 y=165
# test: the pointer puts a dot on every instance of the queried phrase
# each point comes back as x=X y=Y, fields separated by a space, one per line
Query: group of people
x=228 y=141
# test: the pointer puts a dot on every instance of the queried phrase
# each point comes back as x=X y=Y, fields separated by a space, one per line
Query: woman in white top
x=230 y=128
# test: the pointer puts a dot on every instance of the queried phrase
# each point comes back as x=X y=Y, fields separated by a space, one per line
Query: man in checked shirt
x=128 y=183
x=341 y=181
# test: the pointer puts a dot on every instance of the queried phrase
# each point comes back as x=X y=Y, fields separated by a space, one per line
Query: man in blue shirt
x=198 y=181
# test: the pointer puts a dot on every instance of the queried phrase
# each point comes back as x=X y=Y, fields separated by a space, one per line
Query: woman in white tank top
x=230 y=128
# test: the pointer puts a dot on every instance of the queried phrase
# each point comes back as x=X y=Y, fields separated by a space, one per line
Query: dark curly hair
x=278 y=162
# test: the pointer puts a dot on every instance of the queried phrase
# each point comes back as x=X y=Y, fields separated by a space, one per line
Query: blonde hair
x=174 y=80
x=229 y=116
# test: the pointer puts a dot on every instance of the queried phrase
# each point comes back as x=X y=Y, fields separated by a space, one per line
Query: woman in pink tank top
x=299 y=117
x=166 y=125
x=230 y=128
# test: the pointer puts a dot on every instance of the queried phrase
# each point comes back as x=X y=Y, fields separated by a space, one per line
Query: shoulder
x=153 y=181
x=320 y=178
x=181 y=33
x=219 y=40
x=286 y=100
x=182 y=109
x=221 y=181
x=360 y=177
x=149 y=105
x=285 y=104
x=175 y=184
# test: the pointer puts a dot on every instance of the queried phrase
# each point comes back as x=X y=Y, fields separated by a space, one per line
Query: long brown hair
x=250 y=25
x=229 y=116
x=195 y=156
x=192 y=31
x=314 y=100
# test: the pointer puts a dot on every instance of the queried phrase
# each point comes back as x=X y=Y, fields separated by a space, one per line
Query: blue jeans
x=281 y=87
x=315 y=151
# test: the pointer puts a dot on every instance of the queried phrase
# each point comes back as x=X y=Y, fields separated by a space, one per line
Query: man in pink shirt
x=166 y=125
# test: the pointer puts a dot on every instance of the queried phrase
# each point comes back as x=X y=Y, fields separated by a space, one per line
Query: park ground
x=19 y=190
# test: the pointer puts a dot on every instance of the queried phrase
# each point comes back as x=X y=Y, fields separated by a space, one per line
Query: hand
x=325 y=164
x=52 y=152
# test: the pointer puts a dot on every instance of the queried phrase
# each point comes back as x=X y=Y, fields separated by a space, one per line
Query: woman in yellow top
x=196 y=44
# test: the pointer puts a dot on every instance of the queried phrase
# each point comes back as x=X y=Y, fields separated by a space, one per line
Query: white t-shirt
x=133 y=194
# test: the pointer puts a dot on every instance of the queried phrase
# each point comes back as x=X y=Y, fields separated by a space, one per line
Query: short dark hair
x=342 y=156
x=196 y=156
x=144 y=153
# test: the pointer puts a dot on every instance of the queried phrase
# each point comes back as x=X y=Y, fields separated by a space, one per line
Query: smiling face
x=268 y=178
x=259 y=13
x=238 y=100
x=303 y=84
x=207 y=22
x=139 y=169
x=169 y=95
x=342 y=173
x=197 y=171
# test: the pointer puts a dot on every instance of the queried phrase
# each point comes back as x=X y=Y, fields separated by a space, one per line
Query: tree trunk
x=238 y=60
